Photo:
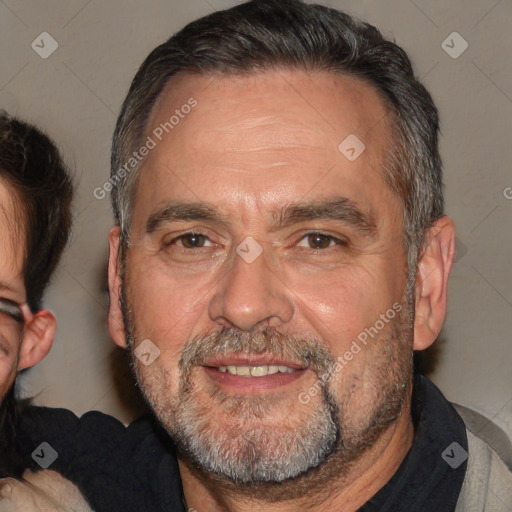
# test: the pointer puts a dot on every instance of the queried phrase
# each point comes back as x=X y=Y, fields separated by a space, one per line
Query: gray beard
x=252 y=454
x=260 y=454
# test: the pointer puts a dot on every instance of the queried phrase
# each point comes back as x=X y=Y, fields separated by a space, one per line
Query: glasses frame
x=12 y=309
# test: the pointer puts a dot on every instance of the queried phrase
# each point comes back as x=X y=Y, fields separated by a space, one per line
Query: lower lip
x=252 y=384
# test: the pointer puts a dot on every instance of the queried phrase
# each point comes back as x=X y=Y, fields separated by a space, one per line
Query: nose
x=251 y=296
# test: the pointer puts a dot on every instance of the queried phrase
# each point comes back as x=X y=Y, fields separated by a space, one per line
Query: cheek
x=344 y=306
x=164 y=307
x=7 y=374
x=167 y=313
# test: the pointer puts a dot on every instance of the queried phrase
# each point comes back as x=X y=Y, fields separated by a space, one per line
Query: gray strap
x=489 y=432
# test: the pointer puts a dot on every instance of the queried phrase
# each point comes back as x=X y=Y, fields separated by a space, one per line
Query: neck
x=346 y=493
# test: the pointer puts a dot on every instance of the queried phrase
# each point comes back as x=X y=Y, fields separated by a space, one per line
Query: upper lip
x=248 y=359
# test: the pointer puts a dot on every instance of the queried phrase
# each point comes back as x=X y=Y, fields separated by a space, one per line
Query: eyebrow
x=179 y=211
x=5 y=287
x=339 y=209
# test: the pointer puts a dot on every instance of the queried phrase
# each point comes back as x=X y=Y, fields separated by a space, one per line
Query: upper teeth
x=255 y=371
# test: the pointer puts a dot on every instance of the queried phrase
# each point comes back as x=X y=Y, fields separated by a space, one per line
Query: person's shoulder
x=77 y=441
x=63 y=427
x=49 y=417
x=488 y=480
x=113 y=465
x=43 y=423
x=39 y=423
x=485 y=432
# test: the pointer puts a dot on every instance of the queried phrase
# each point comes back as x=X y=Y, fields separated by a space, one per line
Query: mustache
x=309 y=351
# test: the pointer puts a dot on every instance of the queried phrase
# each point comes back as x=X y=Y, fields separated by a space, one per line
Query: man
x=281 y=250
x=35 y=221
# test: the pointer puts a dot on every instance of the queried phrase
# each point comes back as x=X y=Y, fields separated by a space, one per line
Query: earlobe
x=115 y=316
x=434 y=267
x=37 y=339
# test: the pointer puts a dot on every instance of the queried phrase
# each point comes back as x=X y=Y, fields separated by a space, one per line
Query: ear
x=115 y=315
x=434 y=268
x=38 y=335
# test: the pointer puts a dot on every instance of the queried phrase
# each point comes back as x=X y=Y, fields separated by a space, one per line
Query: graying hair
x=276 y=34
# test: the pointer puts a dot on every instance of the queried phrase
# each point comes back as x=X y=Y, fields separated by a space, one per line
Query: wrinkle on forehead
x=270 y=140
x=256 y=127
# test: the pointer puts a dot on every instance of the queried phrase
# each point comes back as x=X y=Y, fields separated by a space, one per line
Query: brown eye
x=319 y=241
x=192 y=240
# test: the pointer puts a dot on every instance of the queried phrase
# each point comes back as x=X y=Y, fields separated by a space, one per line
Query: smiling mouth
x=255 y=371
x=247 y=373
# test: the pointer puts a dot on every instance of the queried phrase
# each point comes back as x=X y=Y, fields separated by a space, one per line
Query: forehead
x=11 y=251
x=273 y=134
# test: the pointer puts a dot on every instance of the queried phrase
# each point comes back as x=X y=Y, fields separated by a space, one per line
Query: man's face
x=260 y=252
x=12 y=289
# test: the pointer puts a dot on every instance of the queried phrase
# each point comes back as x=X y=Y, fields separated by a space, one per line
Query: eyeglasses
x=11 y=318
x=11 y=310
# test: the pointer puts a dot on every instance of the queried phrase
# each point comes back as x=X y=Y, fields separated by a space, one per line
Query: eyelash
x=331 y=238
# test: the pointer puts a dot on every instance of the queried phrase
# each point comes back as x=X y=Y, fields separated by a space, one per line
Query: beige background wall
x=75 y=95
